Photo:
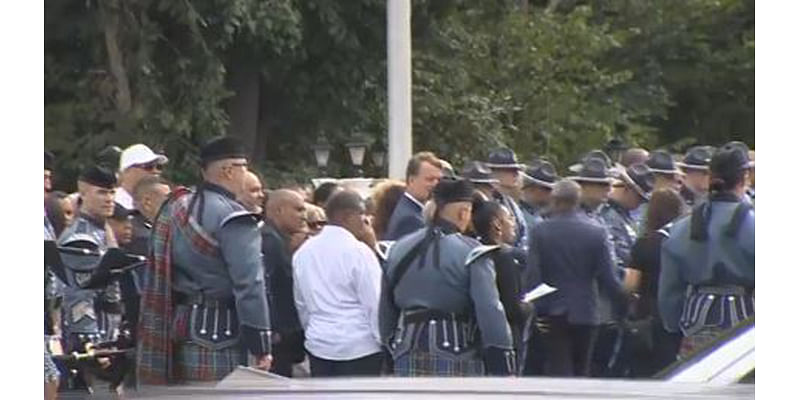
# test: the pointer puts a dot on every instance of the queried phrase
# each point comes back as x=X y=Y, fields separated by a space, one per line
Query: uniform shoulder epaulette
x=479 y=252
x=236 y=215
x=81 y=240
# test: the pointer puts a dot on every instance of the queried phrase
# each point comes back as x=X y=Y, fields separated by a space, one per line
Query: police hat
x=593 y=170
x=109 y=157
x=640 y=178
x=452 y=191
x=697 y=158
x=476 y=172
x=542 y=173
x=99 y=176
x=503 y=158
x=48 y=160
x=596 y=154
x=661 y=162
x=220 y=148
x=741 y=147
x=729 y=158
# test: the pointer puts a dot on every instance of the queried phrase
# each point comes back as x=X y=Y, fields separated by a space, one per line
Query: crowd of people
x=652 y=256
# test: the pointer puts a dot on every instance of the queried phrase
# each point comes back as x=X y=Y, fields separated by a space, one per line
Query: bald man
x=251 y=193
x=285 y=216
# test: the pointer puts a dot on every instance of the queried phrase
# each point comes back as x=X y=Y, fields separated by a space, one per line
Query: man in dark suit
x=422 y=173
x=285 y=216
x=570 y=252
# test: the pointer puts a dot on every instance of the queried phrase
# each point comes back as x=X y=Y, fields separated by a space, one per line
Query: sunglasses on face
x=317 y=224
x=150 y=167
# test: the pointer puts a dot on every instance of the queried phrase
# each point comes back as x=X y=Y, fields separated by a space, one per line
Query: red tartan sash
x=155 y=352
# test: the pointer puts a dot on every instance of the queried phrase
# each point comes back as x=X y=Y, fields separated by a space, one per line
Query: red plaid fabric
x=155 y=355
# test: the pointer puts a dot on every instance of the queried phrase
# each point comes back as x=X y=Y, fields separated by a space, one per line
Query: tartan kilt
x=196 y=363
x=700 y=339
x=423 y=363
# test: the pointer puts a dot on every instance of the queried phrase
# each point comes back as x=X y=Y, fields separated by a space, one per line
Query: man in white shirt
x=135 y=163
x=337 y=282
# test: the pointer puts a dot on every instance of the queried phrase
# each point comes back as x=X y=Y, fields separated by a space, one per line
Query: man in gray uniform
x=707 y=281
x=203 y=300
x=90 y=315
x=440 y=312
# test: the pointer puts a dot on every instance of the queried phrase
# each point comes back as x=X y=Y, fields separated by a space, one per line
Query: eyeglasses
x=317 y=224
x=242 y=164
x=150 y=167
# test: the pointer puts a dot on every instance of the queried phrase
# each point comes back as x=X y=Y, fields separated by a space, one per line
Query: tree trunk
x=243 y=106
x=109 y=18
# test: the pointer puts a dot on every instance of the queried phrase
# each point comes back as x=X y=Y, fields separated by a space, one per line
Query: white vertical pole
x=398 y=19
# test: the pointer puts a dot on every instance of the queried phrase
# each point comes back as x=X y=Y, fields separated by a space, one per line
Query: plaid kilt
x=697 y=341
x=197 y=363
x=422 y=363
x=193 y=362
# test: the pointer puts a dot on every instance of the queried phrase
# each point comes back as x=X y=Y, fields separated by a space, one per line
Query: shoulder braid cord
x=701 y=215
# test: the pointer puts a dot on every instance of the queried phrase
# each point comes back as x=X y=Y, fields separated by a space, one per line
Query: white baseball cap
x=139 y=154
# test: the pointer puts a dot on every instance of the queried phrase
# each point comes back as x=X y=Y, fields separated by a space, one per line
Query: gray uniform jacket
x=81 y=306
x=724 y=258
x=454 y=287
x=622 y=228
x=236 y=275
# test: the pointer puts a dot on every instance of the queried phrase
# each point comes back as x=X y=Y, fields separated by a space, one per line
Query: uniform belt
x=723 y=290
x=424 y=315
x=202 y=299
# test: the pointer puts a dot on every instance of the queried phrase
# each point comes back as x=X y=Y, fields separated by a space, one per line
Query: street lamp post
x=322 y=154
x=357 y=150
x=378 y=159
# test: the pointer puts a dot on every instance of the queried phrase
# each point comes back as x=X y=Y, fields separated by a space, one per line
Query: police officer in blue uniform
x=505 y=168
x=440 y=311
x=707 y=281
x=694 y=188
x=537 y=184
x=635 y=188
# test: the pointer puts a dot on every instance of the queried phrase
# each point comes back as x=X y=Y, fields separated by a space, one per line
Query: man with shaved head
x=251 y=194
x=337 y=282
x=284 y=216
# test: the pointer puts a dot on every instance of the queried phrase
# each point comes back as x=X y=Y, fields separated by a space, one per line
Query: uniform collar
x=218 y=189
x=97 y=222
x=619 y=208
x=447 y=227
x=725 y=197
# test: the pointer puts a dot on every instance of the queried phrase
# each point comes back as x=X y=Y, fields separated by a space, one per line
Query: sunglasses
x=317 y=224
x=150 y=167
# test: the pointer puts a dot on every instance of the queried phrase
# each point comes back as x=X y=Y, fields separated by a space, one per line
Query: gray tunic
x=723 y=259
x=236 y=274
x=79 y=307
x=454 y=287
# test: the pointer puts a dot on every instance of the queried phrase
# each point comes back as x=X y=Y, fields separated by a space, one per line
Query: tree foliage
x=552 y=78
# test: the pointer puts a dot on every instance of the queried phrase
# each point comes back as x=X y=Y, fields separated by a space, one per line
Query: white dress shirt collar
x=413 y=199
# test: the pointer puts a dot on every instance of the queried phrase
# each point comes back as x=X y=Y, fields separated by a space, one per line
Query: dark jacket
x=571 y=253
x=406 y=218
x=278 y=278
x=139 y=244
x=509 y=286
